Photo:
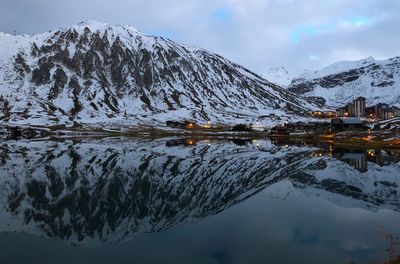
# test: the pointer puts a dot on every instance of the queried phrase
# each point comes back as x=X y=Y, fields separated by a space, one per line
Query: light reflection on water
x=184 y=200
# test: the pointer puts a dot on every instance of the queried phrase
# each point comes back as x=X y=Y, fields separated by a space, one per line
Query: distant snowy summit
x=94 y=72
x=282 y=76
x=376 y=80
x=279 y=76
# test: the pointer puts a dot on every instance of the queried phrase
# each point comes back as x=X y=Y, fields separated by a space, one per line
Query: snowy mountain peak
x=93 y=24
x=278 y=75
x=97 y=26
x=281 y=76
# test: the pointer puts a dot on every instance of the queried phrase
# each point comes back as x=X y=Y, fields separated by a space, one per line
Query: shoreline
x=351 y=139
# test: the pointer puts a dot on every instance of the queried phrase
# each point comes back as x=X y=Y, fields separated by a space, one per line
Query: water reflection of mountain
x=113 y=190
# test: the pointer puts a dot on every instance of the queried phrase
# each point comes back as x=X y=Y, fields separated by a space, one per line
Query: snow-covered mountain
x=376 y=80
x=111 y=190
x=279 y=76
x=94 y=72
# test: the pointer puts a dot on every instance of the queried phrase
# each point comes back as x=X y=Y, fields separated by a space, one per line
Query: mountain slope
x=339 y=83
x=94 y=72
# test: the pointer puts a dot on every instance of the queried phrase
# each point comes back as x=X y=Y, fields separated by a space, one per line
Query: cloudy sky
x=258 y=34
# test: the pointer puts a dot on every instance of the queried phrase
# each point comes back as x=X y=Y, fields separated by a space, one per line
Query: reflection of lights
x=286 y=146
x=190 y=125
x=319 y=154
x=190 y=142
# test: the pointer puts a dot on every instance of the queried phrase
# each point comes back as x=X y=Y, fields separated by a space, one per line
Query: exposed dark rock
x=20 y=65
x=41 y=75
x=76 y=89
x=60 y=80
x=320 y=101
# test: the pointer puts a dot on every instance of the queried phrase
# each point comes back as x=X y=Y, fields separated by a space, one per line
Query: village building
x=370 y=112
x=359 y=107
x=396 y=111
x=339 y=124
x=380 y=110
x=350 y=110
x=388 y=114
x=323 y=114
x=341 y=111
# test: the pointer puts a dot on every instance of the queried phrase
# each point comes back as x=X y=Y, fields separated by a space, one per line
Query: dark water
x=191 y=201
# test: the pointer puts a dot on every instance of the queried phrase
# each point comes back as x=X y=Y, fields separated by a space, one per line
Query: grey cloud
x=257 y=34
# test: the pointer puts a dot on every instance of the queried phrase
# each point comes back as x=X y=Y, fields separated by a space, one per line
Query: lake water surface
x=182 y=200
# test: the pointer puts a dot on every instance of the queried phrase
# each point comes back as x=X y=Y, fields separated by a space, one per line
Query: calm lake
x=182 y=200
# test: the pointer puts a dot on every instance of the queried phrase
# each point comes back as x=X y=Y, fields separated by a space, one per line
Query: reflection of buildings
x=289 y=141
x=353 y=157
x=382 y=158
x=180 y=141
x=322 y=153
x=359 y=158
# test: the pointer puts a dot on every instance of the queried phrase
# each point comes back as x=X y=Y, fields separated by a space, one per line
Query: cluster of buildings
x=358 y=108
x=323 y=114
